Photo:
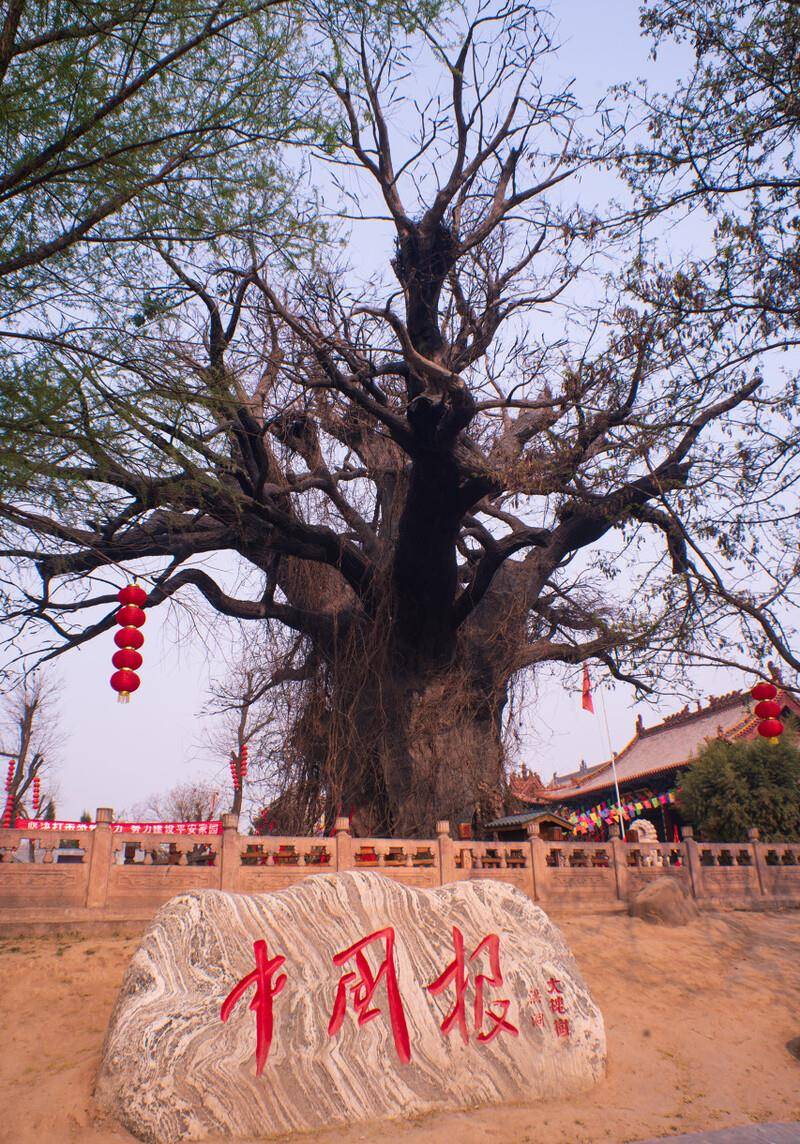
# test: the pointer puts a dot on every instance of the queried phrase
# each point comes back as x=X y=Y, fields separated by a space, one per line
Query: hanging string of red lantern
x=36 y=795
x=127 y=660
x=238 y=767
x=9 y=806
x=767 y=710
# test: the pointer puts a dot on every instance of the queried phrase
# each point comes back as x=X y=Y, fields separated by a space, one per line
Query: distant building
x=649 y=765
x=514 y=827
x=583 y=772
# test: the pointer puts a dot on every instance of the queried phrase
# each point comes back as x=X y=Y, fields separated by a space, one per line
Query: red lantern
x=770 y=729
x=131 y=616
x=125 y=682
x=128 y=637
x=764 y=691
x=10 y=774
x=132 y=594
x=768 y=709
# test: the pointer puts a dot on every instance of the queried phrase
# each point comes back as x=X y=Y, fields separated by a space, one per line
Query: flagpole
x=613 y=764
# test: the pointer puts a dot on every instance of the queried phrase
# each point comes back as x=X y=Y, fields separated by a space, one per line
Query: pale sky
x=116 y=755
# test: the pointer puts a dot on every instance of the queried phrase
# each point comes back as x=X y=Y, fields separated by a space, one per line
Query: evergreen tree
x=735 y=786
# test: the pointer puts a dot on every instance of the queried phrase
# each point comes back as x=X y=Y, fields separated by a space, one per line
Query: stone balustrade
x=73 y=875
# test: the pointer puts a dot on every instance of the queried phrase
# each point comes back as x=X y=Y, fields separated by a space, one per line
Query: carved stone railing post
x=692 y=861
x=753 y=836
x=344 y=844
x=100 y=859
x=619 y=852
x=230 y=858
x=538 y=861
x=447 y=859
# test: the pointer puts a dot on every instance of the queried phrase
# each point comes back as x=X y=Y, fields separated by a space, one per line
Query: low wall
x=93 y=881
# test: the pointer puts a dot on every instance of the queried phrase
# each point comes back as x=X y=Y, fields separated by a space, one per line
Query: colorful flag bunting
x=585 y=820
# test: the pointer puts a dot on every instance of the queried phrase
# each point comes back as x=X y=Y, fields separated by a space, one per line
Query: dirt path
x=698 y=1020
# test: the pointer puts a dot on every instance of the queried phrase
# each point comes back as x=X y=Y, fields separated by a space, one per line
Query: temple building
x=648 y=767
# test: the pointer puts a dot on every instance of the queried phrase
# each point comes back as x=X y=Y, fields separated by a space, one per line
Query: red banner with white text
x=124 y=827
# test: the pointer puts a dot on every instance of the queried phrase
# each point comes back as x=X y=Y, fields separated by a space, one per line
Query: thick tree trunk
x=446 y=753
x=398 y=748
x=424 y=572
x=401 y=724
x=435 y=754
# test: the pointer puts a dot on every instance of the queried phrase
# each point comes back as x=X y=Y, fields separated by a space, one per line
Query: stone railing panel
x=273 y=863
x=779 y=866
x=44 y=869
x=500 y=861
x=488 y=856
x=291 y=854
x=130 y=848
x=413 y=861
x=149 y=869
x=580 y=871
x=663 y=857
x=727 y=871
x=648 y=861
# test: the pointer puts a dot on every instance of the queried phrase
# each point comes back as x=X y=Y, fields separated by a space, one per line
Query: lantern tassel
x=773 y=742
x=124 y=697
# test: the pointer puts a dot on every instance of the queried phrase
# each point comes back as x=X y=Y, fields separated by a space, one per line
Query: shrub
x=734 y=786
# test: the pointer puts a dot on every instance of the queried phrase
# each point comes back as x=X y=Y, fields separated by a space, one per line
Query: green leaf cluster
x=735 y=786
x=123 y=121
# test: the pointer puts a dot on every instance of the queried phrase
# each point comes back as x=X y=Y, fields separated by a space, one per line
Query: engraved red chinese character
x=456 y=975
x=362 y=985
x=554 y=986
x=557 y=1005
x=267 y=986
x=561 y=1027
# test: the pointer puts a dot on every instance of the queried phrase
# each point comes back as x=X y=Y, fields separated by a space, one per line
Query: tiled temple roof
x=525 y=817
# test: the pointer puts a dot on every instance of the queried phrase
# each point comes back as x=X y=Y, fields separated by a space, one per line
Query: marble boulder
x=465 y=995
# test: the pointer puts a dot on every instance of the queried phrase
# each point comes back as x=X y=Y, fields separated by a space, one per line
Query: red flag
x=586 y=702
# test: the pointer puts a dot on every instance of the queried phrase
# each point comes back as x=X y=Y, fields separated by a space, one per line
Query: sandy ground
x=698 y=1021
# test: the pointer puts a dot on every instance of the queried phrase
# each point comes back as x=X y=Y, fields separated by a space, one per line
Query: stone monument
x=347 y=997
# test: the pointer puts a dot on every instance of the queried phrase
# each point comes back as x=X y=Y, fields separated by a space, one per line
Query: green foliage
x=127 y=128
x=726 y=137
x=735 y=786
x=122 y=121
x=131 y=116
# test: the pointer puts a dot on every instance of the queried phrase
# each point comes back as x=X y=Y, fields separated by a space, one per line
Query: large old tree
x=428 y=482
